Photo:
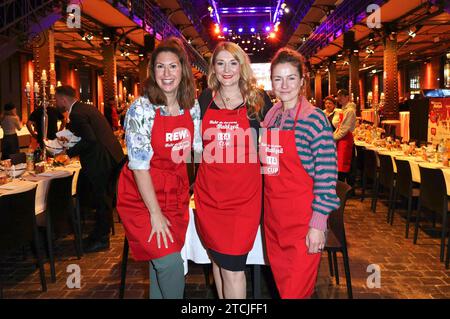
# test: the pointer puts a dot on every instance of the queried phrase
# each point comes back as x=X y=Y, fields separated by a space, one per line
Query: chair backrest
x=336 y=219
x=60 y=205
x=433 y=190
x=17 y=219
x=370 y=163
x=404 y=182
x=359 y=152
x=18 y=158
x=386 y=173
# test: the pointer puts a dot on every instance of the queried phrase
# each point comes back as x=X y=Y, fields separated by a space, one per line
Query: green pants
x=167 y=277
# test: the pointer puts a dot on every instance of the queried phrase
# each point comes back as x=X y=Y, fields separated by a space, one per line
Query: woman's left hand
x=315 y=241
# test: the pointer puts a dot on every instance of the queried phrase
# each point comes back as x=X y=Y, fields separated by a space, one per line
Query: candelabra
x=41 y=100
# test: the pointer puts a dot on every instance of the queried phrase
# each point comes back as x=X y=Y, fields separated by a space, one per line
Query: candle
x=52 y=89
x=44 y=75
x=36 y=88
x=28 y=87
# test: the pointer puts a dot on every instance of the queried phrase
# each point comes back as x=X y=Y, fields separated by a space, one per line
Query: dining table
x=414 y=161
x=30 y=179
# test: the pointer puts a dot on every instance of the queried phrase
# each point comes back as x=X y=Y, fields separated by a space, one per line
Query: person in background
x=299 y=160
x=332 y=112
x=10 y=122
x=161 y=126
x=101 y=156
x=111 y=115
x=344 y=137
x=34 y=123
x=228 y=195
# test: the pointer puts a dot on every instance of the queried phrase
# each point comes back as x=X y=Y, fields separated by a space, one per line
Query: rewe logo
x=177 y=136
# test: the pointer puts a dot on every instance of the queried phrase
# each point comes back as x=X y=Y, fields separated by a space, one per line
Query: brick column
x=332 y=87
x=318 y=89
x=354 y=81
x=390 y=78
x=110 y=74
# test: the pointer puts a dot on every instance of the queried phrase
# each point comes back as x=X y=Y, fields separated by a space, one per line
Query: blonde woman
x=228 y=192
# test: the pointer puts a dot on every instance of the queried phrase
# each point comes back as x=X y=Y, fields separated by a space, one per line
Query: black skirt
x=229 y=262
x=10 y=145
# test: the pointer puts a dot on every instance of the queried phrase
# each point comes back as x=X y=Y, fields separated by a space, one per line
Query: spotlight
x=225 y=29
x=240 y=30
x=286 y=10
x=267 y=28
x=272 y=35
x=252 y=30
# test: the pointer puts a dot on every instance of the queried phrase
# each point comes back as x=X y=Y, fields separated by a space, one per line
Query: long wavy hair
x=253 y=96
x=186 y=88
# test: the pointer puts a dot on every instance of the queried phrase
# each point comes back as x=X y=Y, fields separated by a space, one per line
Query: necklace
x=223 y=101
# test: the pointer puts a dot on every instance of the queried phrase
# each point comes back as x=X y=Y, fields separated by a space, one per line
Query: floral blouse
x=138 y=128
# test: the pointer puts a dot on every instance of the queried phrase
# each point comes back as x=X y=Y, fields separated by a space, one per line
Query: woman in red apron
x=344 y=137
x=228 y=186
x=298 y=155
x=153 y=188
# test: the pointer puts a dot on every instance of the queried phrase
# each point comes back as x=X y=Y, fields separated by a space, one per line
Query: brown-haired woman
x=228 y=193
x=299 y=157
x=153 y=191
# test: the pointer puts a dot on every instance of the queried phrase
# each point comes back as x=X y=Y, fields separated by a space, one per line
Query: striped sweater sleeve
x=317 y=151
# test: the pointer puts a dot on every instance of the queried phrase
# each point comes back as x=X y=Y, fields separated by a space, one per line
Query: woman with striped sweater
x=299 y=161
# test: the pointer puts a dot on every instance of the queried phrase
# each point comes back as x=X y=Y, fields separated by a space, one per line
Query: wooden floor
x=407 y=270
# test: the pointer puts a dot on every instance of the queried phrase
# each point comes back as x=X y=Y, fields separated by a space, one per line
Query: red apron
x=228 y=194
x=288 y=196
x=171 y=141
x=344 y=149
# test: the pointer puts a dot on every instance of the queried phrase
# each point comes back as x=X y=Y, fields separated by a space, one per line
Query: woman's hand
x=160 y=226
x=315 y=241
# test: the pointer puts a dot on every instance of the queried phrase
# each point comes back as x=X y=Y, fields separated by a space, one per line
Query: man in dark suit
x=100 y=155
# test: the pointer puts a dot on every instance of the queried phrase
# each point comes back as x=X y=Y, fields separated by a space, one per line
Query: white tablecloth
x=195 y=251
x=42 y=181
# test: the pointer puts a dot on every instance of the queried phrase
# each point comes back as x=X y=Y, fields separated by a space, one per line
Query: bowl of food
x=54 y=147
x=16 y=170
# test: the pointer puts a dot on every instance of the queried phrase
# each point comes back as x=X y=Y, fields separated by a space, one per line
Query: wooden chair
x=336 y=241
x=370 y=174
x=433 y=196
x=62 y=218
x=405 y=187
x=386 y=179
x=18 y=227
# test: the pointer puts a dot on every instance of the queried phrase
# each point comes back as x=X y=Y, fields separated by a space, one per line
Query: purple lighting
x=225 y=29
x=267 y=28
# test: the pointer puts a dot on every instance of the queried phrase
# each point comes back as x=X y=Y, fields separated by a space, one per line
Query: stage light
x=240 y=30
x=252 y=30
x=225 y=29
x=267 y=28
x=272 y=35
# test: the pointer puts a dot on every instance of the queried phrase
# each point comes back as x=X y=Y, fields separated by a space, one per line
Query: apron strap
x=296 y=114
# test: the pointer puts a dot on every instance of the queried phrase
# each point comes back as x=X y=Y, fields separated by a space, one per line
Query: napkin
x=72 y=139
